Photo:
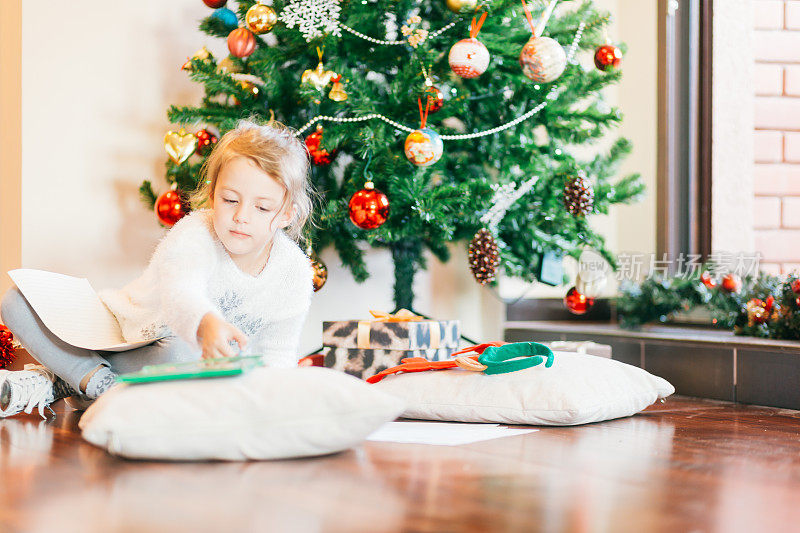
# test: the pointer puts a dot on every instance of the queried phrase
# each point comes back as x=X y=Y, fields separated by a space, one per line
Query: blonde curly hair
x=275 y=149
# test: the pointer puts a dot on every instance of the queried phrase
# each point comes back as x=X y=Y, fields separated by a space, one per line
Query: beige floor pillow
x=268 y=413
x=577 y=389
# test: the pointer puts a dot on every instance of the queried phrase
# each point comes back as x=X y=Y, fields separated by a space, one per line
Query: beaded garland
x=551 y=95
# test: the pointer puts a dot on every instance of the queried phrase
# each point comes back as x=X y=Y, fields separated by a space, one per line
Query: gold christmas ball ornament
x=320 y=271
x=180 y=145
x=457 y=5
x=260 y=18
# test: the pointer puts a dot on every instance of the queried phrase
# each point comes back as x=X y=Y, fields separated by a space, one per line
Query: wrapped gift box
x=376 y=334
x=365 y=363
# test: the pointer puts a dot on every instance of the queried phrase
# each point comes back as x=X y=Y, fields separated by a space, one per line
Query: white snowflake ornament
x=313 y=18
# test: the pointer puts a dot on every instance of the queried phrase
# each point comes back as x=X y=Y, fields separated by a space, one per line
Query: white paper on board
x=72 y=310
x=442 y=433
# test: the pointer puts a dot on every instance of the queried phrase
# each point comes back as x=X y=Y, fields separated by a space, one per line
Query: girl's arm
x=183 y=262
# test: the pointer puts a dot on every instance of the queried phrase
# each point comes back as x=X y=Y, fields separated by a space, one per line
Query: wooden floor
x=686 y=465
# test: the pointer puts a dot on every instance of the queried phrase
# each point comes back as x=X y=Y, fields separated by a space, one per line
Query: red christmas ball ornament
x=607 y=57
x=369 y=207
x=318 y=156
x=205 y=142
x=7 y=355
x=170 y=208
x=215 y=4
x=707 y=280
x=577 y=303
x=796 y=286
x=731 y=283
x=435 y=99
x=241 y=42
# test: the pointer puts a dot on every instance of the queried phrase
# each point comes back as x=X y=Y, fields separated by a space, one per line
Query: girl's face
x=247 y=209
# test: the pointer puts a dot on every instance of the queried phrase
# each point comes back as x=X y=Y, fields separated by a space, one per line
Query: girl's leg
x=71 y=363
x=79 y=370
x=68 y=362
x=166 y=350
x=170 y=349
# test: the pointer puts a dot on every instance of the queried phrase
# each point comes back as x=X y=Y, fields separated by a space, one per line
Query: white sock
x=100 y=382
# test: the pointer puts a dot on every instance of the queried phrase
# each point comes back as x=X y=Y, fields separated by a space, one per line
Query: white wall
x=635 y=23
x=10 y=142
x=96 y=87
x=95 y=94
x=733 y=105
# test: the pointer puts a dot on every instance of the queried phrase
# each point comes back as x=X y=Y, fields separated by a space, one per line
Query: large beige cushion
x=268 y=413
x=577 y=389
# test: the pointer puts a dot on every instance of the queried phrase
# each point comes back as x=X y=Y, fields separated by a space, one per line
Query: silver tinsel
x=504 y=196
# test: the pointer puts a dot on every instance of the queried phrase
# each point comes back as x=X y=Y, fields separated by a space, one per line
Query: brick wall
x=777 y=135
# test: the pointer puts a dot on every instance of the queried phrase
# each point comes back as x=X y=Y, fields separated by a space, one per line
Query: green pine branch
x=658 y=298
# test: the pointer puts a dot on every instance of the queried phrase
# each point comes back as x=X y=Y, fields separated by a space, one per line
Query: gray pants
x=71 y=363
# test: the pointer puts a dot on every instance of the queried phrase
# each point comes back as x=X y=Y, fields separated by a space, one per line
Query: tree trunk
x=406 y=256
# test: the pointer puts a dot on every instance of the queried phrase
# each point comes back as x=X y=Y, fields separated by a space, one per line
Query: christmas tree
x=428 y=123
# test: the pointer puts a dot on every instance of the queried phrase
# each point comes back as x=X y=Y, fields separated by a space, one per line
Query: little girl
x=226 y=274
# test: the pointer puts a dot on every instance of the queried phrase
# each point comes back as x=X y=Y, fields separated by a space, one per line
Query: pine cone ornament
x=579 y=195
x=483 y=256
x=6 y=347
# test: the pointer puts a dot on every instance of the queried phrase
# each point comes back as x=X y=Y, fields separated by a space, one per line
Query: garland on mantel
x=759 y=306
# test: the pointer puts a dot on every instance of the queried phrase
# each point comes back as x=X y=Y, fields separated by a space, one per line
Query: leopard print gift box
x=368 y=362
x=411 y=335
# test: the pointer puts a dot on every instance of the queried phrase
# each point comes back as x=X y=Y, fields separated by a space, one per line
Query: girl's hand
x=214 y=335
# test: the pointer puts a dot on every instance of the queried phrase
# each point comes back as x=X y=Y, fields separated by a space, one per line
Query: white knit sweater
x=191 y=273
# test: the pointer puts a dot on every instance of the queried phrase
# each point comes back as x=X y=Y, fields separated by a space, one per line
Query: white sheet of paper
x=72 y=310
x=442 y=433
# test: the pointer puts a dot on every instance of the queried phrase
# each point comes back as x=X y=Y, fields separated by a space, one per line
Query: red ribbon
x=423 y=116
x=530 y=19
x=475 y=27
x=416 y=364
